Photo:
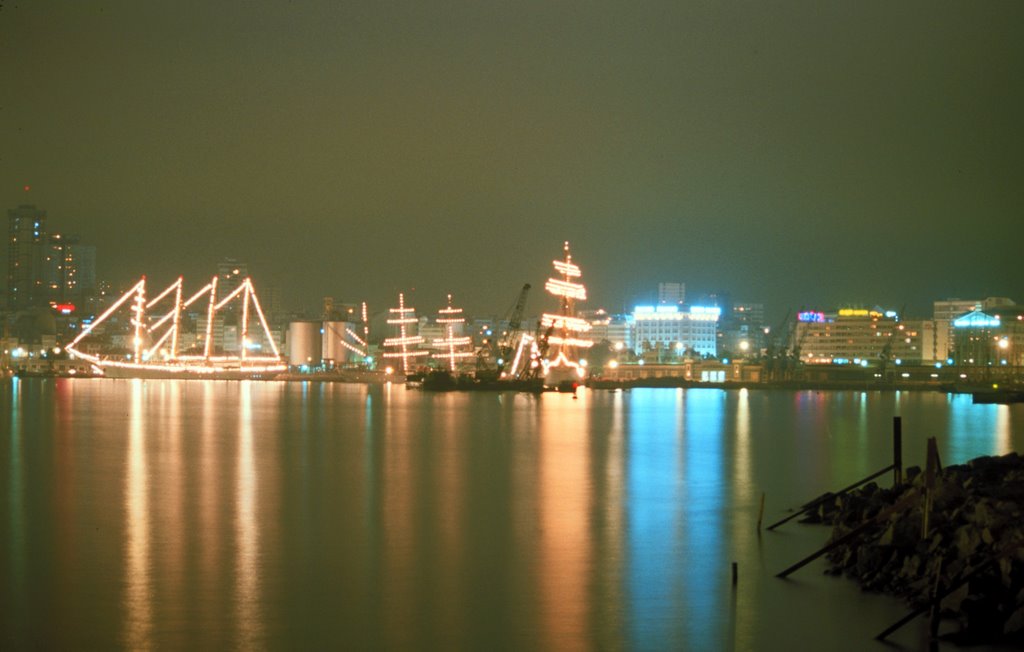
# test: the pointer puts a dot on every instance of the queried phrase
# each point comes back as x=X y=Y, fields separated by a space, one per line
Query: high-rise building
x=84 y=257
x=671 y=294
x=26 y=245
x=60 y=271
x=230 y=274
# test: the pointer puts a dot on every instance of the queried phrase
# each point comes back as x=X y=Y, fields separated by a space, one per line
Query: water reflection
x=15 y=496
x=1003 y=437
x=705 y=490
x=977 y=429
x=742 y=487
x=138 y=597
x=247 y=570
x=563 y=492
x=288 y=515
x=209 y=491
x=654 y=499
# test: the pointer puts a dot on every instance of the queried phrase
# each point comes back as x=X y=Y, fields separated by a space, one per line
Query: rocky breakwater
x=967 y=555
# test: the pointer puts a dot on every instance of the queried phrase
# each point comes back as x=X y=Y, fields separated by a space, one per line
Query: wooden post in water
x=931 y=458
x=897 y=451
x=735 y=573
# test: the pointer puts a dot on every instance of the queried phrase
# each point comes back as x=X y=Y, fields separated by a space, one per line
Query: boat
x=997 y=396
x=565 y=337
x=155 y=346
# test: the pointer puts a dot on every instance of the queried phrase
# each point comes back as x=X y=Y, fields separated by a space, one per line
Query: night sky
x=798 y=154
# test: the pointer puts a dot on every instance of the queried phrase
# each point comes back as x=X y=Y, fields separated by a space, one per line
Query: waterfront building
x=741 y=331
x=861 y=336
x=670 y=328
x=946 y=311
x=991 y=339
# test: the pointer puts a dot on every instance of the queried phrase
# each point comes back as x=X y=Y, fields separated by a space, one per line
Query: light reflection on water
x=306 y=515
x=138 y=605
x=247 y=571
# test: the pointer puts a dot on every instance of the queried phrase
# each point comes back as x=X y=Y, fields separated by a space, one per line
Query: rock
x=1015 y=623
x=976 y=513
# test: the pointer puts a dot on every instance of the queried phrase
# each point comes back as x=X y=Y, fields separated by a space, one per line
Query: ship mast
x=565 y=331
x=453 y=347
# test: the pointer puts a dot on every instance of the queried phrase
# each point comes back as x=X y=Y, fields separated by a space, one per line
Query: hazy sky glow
x=801 y=153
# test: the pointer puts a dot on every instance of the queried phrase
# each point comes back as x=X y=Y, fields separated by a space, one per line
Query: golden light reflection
x=564 y=548
x=138 y=581
x=747 y=500
x=247 y=571
x=1004 y=433
x=611 y=496
x=742 y=481
x=398 y=516
x=450 y=480
x=209 y=488
x=172 y=526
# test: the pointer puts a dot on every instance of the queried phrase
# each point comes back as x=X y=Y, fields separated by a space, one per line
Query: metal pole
x=897 y=451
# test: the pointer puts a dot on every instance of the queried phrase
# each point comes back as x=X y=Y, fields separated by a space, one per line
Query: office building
x=675 y=331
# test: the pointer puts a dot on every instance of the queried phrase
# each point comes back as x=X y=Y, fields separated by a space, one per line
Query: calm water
x=220 y=515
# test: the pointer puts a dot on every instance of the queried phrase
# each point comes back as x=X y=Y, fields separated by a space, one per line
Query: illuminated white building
x=670 y=327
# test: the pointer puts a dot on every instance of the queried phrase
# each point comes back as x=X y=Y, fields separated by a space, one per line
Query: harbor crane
x=508 y=343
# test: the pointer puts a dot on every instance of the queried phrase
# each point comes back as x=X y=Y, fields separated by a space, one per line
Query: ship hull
x=191 y=373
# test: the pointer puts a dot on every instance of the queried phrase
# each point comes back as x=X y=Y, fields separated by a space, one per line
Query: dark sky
x=795 y=153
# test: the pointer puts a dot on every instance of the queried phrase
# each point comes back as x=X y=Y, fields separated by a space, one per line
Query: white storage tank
x=333 y=349
x=304 y=343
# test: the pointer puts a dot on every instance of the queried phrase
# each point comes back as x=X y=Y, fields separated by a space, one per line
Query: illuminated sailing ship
x=403 y=347
x=564 y=338
x=453 y=349
x=155 y=349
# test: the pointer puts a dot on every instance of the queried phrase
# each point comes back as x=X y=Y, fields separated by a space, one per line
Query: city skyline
x=231 y=271
x=859 y=155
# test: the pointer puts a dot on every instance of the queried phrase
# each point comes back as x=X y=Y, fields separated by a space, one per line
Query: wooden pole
x=929 y=605
x=760 y=513
x=929 y=485
x=817 y=501
x=735 y=573
x=852 y=534
x=936 y=601
x=897 y=451
x=903 y=503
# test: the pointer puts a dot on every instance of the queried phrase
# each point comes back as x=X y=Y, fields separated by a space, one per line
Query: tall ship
x=563 y=340
x=164 y=336
x=404 y=345
x=454 y=351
